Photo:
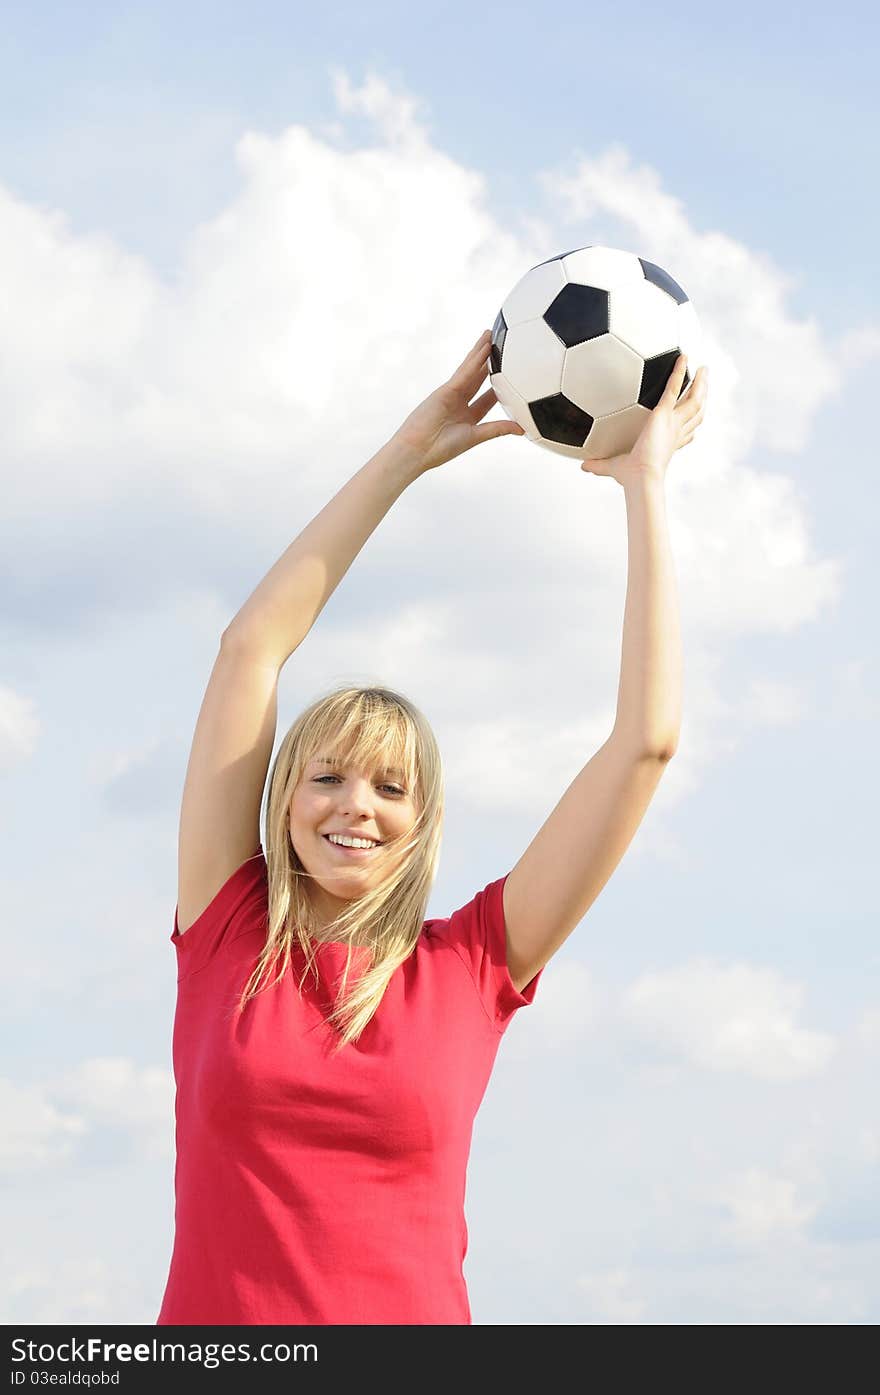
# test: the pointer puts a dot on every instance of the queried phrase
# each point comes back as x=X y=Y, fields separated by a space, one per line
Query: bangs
x=377 y=739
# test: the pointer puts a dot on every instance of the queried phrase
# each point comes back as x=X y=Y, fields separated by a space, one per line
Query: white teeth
x=351 y=842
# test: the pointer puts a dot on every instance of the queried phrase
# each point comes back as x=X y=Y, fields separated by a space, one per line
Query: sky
x=240 y=243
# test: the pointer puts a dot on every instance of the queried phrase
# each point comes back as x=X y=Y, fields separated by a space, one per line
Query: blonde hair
x=364 y=726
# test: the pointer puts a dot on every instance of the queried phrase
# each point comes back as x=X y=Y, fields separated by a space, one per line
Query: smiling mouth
x=352 y=852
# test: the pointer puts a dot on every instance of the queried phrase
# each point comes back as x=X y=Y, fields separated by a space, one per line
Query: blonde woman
x=331 y=1046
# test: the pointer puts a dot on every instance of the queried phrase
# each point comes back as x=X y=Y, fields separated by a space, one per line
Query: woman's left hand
x=670 y=426
x=448 y=423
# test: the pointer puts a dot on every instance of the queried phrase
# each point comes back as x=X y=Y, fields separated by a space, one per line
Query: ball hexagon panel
x=644 y=317
x=603 y=267
x=578 y=313
x=533 y=293
x=532 y=359
x=602 y=376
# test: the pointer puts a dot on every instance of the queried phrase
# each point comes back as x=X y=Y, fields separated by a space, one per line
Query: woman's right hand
x=447 y=423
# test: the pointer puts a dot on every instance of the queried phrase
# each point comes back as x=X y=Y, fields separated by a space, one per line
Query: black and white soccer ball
x=583 y=347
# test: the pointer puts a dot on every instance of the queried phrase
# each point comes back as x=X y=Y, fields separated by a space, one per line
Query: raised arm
x=285 y=605
x=276 y=618
x=577 y=849
x=235 y=731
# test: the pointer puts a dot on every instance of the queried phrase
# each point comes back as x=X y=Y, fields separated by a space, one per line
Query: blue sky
x=767 y=122
x=192 y=361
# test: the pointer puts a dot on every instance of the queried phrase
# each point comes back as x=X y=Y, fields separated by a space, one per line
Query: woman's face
x=335 y=798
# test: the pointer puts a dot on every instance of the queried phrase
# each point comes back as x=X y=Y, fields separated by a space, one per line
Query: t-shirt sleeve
x=478 y=935
x=237 y=907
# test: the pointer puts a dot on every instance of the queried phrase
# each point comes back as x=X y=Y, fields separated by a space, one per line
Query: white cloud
x=305 y=325
x=114 y=1092
x=45 y=1123
x=868 y=1028
x=857 y=347
x=729 y=1018
x=567 y=1009
x=395 y=114
x=19 y=728
x=741 y=531
x=75 y=1287
x=514 y=756
x=764 y=1208
x=788 y=369
x=76 y=307
x=609 y=1296
x=336 y=288
x=854 y=694
x=773 y=702
x=35 y=1134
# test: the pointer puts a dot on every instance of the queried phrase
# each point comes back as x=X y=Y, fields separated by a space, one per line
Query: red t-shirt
x=313 y=1188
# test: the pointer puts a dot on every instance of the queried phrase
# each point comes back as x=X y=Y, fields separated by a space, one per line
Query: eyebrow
x=387 y=770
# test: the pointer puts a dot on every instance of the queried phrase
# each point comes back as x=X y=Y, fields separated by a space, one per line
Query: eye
x=393 y=788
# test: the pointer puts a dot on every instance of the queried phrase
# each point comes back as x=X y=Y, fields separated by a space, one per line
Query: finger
x=596 y=466
x=688 y=435
x=477 y=357
x=491 y=430
x=699 y=388
x=474 y=374
x=676 y=378
x=477 y=410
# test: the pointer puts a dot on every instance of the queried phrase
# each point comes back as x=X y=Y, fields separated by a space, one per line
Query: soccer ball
x=583 y=347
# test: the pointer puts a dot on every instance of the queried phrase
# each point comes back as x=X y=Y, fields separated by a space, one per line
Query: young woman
x=331 y=1046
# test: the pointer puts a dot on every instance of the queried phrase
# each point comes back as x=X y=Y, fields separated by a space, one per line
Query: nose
x=356 y=796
